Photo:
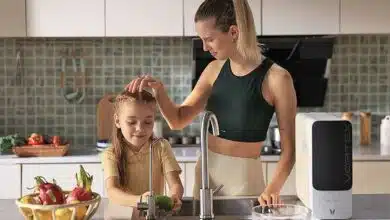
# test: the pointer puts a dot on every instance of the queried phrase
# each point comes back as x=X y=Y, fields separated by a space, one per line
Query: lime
x=164 y=202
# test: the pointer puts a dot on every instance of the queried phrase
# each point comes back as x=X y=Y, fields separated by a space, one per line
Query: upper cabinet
x=286 y=17
x=70 y=18
x=365 y=17
x=12 y=18
x=144 y=18
x=191 y=6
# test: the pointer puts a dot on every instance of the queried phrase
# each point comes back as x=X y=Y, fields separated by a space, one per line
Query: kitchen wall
x=31 y=98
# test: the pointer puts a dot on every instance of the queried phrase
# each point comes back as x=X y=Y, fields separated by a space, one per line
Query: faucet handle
x=216 y=190
x=142 y=206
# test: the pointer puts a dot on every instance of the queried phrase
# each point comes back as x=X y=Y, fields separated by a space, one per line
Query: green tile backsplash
x=31 y=98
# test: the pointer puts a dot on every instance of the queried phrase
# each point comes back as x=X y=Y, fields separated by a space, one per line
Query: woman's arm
x=283 y=94
x=119 y=196
x=179 y=116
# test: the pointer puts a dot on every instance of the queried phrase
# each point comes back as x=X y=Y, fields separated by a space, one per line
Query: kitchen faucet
x=149 y=209
x=206 y=194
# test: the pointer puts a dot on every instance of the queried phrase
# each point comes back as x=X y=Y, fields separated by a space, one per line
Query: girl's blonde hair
x=233 y=12
x=118 y=140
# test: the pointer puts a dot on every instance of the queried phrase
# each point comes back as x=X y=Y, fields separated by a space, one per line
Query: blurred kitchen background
x=31 y=98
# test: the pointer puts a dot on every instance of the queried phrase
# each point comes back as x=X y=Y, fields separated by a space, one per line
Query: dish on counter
x=101 y=145
x=282 y=211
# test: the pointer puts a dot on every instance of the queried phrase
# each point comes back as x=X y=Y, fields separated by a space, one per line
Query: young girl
x=126 y=162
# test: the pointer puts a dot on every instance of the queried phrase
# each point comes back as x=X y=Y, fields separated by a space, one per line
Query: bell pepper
x=56 y=140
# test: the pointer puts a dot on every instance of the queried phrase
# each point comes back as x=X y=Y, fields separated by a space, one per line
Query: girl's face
x=136 y=122
x=220 y=44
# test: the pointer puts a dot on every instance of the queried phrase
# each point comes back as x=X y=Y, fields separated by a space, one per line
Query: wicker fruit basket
x=76 y=211
x=45 y=150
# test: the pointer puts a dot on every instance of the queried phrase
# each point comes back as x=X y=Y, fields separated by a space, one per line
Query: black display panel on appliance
x=332 y=155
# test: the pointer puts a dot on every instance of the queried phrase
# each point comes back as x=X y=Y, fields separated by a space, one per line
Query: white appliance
x=324 y=164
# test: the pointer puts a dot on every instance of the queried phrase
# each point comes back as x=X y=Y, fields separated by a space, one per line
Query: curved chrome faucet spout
x=206 y=194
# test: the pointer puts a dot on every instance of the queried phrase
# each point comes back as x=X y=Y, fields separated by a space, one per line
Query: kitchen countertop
x=183 y=153
x=364 y=207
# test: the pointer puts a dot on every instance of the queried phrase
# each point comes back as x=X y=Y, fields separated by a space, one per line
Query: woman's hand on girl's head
x=142 y=82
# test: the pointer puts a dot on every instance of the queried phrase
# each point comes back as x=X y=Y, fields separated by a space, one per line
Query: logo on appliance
x=332 y=211
x=347 y=154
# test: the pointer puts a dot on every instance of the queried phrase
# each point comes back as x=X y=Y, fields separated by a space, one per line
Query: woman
x=243 y=89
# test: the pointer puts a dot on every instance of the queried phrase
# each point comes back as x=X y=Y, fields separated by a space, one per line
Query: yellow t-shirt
x=164 y=161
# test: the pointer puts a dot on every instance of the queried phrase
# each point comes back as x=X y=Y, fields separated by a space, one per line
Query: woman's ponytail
x=247 y=44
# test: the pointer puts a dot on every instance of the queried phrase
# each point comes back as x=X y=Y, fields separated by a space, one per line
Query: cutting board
x=105 y=117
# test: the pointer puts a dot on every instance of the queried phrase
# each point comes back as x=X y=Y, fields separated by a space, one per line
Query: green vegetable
x=164 y=202
x=7 y=142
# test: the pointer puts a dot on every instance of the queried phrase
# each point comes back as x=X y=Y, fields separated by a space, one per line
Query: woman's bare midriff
x=234 y=148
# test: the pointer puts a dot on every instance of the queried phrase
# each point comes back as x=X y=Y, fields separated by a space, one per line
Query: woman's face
x=220 y=44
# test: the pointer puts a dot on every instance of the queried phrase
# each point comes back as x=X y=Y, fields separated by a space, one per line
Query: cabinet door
x=191 y=6
x=144 y=18
x=289 y=186
x=64 y=174
x=71 y=18
x=189 y=179
x=365 y=17
x=286 y=17
x=12 y=18
x=11 y=183
x=370 y=177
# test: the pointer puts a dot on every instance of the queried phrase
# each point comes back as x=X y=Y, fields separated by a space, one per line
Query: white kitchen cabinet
x=71 y=18
x=371 y=177
x=12 y=18
x=64 y=174
x=300 y=17
x=189 y=179
x=289 y=186
x=11 y=181
x=191 y=6
x=365 y=17
x=144 y=18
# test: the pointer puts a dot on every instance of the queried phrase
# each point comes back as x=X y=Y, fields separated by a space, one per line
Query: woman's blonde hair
x=118 y=140
x=233 y=12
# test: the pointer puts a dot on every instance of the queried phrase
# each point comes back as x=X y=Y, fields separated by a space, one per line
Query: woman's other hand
x=144 y=81
x=269 y=199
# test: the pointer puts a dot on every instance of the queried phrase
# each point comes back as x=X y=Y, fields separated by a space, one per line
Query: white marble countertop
x=367 y=207
x=89 y=154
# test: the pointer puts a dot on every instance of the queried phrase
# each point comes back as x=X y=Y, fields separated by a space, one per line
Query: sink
x=227 y=208
x=222 y=207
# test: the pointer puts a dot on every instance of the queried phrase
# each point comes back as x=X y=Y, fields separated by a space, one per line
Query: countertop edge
x=184 y=154
x=180 y=159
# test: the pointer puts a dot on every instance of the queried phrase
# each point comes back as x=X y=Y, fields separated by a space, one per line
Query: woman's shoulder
x=278 y=75
x=214 y=67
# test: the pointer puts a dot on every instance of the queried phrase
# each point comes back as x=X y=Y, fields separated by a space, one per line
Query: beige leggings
x=240 y=176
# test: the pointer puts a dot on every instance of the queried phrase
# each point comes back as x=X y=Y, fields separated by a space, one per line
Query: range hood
x=307 y=58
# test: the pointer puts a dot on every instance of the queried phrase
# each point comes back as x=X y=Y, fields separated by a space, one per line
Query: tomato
x=35 y=139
